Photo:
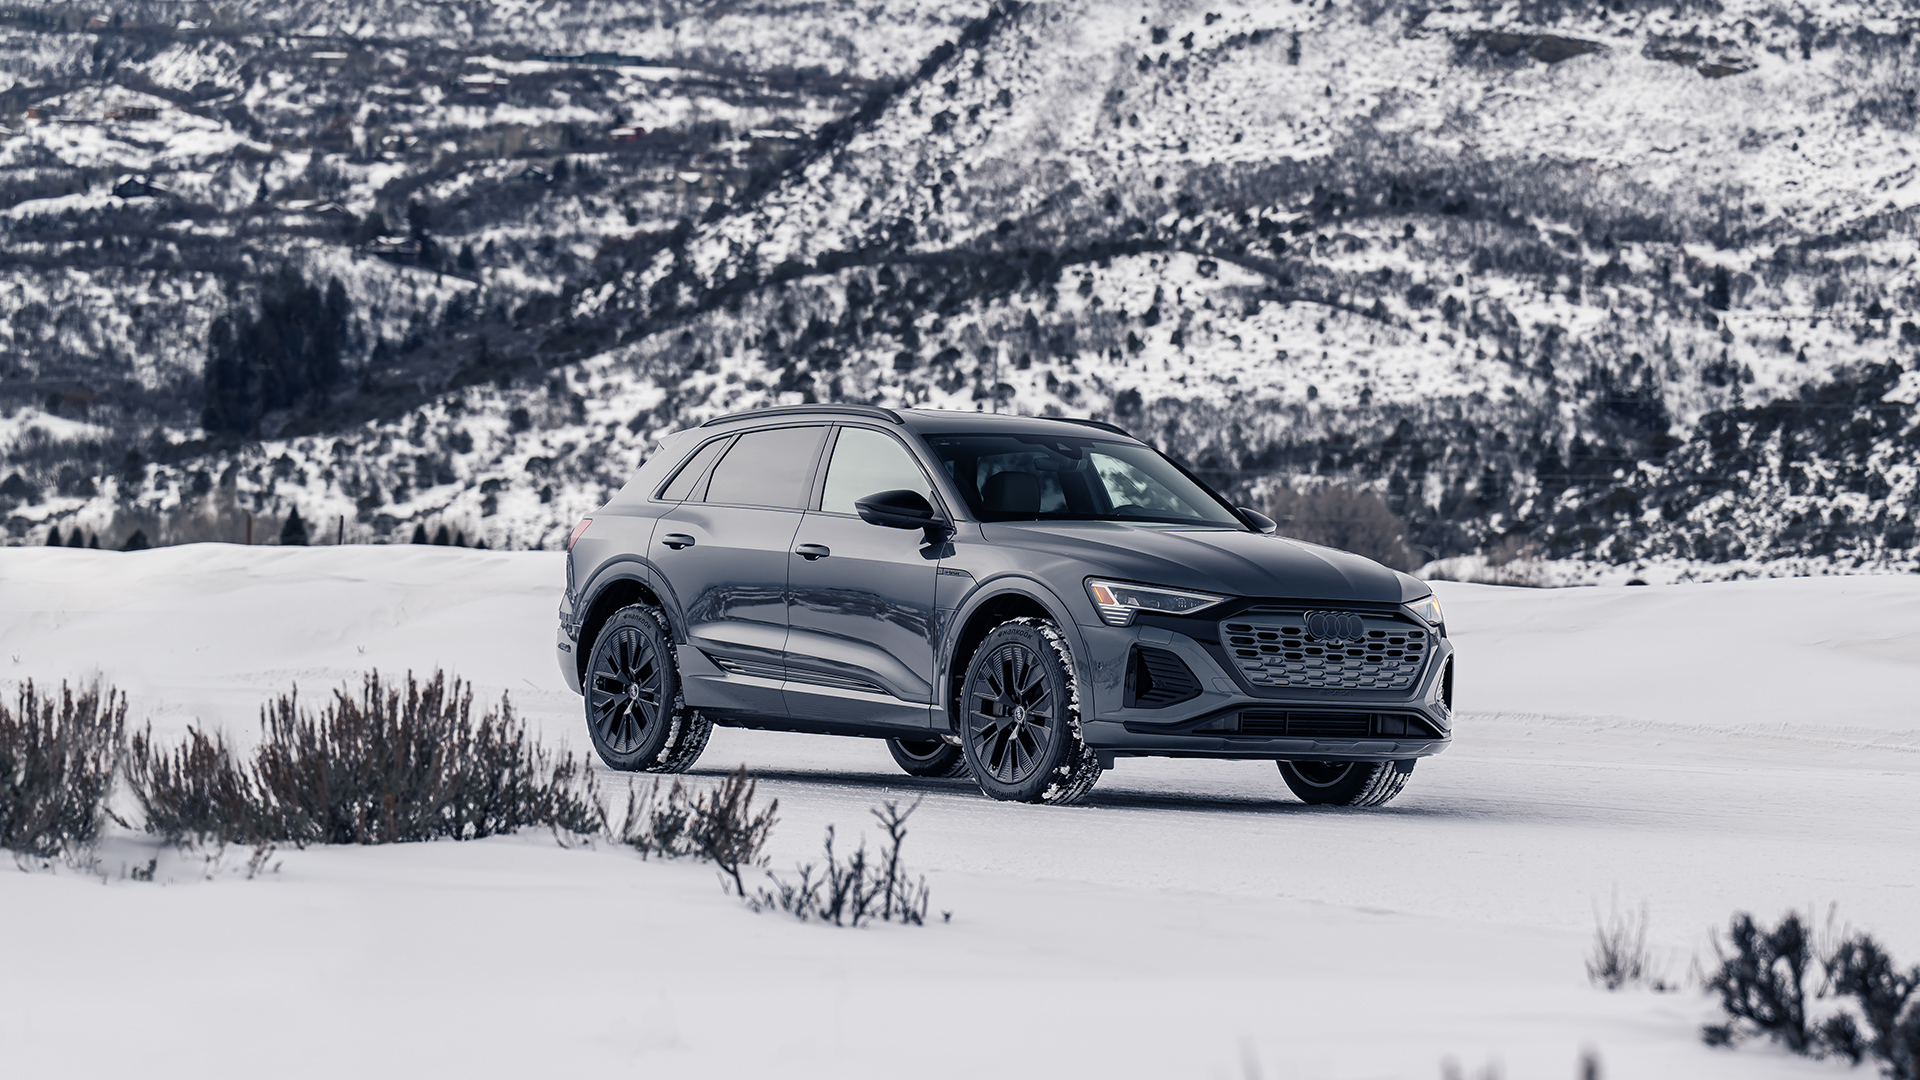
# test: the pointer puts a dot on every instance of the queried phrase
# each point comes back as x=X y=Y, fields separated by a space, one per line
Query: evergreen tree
x=294 y=532
x=136 y=542
x=93 y=541
x=441 y=538
x=290 y=353
x=77 y=539
x=53 y=537
x=419 y=534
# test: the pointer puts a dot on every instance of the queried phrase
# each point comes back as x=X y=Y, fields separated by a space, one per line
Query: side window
x=1053 y=497
x=865 y=462
x=768 y=468
x=692 y=472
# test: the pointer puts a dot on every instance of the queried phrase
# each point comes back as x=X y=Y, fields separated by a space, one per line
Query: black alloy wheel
x=934 y=758
x=1019 y=727
x=1346 y=783
x=635 y=714
x=1012 y=712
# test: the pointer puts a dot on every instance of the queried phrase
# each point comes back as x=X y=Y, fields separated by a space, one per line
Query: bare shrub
x=1620 y=957
x=719 y=825
x=57 y=761
x=1344 y=518
x=195 y=791
x=389 y=766
x=857 y=889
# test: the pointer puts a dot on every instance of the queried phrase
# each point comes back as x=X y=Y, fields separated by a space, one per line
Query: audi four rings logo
x=1335 y=626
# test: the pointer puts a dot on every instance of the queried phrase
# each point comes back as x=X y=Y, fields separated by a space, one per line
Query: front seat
x=1011 y=493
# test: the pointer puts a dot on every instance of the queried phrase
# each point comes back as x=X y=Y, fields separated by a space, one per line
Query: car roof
x=932 y=421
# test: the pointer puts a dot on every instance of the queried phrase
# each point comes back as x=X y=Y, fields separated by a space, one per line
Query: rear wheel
x=1020 y=716
x=636 y=716
x=1346 y=783
x=931 y=758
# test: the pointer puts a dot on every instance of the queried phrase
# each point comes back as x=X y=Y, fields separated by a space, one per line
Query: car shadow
x=894 y=786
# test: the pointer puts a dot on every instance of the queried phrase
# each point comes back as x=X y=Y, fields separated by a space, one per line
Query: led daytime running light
x=1119 y=601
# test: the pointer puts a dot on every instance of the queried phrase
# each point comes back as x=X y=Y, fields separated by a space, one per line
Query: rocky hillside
x=1620 y=285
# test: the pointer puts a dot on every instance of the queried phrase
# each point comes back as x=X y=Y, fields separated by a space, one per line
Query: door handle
x=811 y=552
x=676 y=541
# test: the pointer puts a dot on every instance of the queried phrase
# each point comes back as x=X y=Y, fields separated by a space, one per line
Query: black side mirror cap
x=899 y=509
x=1257 y=520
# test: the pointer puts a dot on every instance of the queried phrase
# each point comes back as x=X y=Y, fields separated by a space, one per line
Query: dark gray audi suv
x=1016 y=599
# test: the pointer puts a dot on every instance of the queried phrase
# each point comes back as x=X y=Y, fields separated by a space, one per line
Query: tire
x=636 y=716
x=1020 y=717
x=1346 y=783
x=934 y=758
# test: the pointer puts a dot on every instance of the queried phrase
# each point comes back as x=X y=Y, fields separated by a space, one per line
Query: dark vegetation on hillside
x=1590 y=461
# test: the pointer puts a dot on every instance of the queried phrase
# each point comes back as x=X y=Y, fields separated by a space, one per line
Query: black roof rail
x=872 y=411
x=1101 y=424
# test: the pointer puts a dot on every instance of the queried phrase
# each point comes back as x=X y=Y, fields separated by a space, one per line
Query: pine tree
x=442 y=538
x=77 y=539
x=136 y=542
x=53 y=537
x=294 y=532
x=419 y=534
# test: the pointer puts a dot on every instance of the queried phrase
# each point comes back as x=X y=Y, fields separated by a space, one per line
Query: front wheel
x=1020 y=717
x=636 y=716
x=935 y=758
x=1346 y=783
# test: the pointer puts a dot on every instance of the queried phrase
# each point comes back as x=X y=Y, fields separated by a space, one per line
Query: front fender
x=985 y=593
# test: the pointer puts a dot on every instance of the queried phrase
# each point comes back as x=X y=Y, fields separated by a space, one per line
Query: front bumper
x=1231 y=718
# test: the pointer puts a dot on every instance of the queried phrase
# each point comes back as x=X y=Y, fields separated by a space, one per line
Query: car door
x=722 y=555
x=860 y=597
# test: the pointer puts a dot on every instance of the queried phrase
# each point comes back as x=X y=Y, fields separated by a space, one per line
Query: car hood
x=1223 y=561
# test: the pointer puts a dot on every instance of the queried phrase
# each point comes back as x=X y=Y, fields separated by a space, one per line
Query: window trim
x=814 y=468
x=826 y=462
x=660 y=493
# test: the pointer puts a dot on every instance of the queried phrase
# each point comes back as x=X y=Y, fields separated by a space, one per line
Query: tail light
x=578 y=531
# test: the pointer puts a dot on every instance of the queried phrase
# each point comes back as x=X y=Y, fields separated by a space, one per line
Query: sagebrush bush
x=1762 y=980
x=856 y=889
x=720 y=825
x=388 y=766
x=58 y=757
x=1762 y=987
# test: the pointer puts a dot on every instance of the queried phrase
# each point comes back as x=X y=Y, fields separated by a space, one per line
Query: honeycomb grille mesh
x=1278 y=651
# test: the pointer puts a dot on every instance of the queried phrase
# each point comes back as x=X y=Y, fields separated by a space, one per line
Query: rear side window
x=682 y=483
x=768 y=468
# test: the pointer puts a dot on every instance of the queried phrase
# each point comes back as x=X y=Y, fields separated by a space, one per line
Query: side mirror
x=900 y=509
x=1259 y=521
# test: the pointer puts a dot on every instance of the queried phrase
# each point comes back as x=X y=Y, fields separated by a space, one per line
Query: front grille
x=1277 y=650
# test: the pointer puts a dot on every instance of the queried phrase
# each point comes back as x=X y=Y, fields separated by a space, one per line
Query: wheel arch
x=993 y=603
x=617 y=589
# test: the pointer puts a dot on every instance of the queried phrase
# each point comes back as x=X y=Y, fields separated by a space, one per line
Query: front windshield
x=1070 y=478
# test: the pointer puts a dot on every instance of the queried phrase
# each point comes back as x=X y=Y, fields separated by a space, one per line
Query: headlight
x=1119 y=600
x=1428 y=610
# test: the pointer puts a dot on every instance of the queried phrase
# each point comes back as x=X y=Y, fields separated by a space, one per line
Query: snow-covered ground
x=1698 y=748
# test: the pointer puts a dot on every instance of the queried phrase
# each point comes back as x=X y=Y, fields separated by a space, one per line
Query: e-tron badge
x=1335 y=626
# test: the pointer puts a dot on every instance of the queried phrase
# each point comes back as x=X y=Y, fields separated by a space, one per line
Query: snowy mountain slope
x=1194 y=895
x=1616 y=286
